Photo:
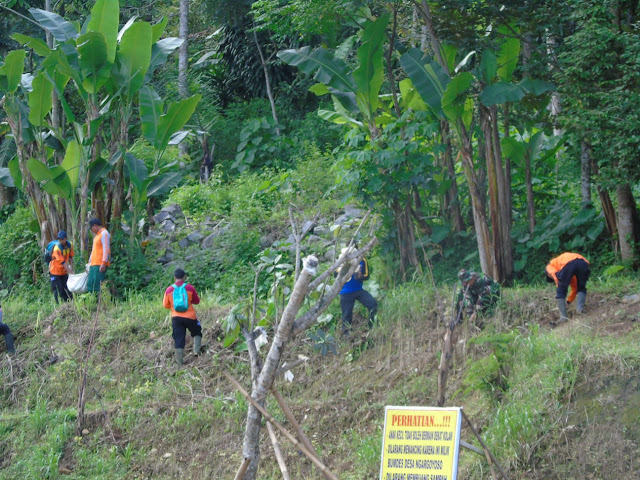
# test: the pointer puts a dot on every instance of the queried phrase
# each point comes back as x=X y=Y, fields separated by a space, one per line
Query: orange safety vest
x=101 y=250
x=558 y=263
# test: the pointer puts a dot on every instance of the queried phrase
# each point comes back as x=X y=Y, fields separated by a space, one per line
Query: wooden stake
x=292 y=420
x=278 y=452
x=243 y=469
x=316 y=461
x=490 y=458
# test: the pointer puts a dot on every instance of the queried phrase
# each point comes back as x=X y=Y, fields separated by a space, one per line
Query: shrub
x=19 y=251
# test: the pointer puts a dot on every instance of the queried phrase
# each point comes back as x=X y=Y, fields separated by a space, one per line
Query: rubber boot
x=582 y=297
x=197 y=344
x=179 y=356
x=562 y=306
x=10 y=347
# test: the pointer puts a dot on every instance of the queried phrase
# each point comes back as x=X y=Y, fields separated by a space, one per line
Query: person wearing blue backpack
x=60 y=256
x=180 y=299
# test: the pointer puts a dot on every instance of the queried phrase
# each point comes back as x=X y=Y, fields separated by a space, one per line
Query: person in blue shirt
x=353 y=290
x=4 y=330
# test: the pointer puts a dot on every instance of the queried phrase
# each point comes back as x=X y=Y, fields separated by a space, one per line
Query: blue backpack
x=180 y=298
x=48 y=252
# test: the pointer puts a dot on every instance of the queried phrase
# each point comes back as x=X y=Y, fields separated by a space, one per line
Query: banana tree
x=144 y=185
x=355 y=93
x=103 y=69
x=163 y=128
x=528 y=151
x=452 y=98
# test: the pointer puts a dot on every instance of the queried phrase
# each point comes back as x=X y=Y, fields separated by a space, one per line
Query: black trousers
x=4 y=330
x=59 y=287
x=348 y=300
x=578 y=268
x=180 y=327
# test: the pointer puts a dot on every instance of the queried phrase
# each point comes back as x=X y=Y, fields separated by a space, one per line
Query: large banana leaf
x=536 y=87
x=40 y=102
x=157 y=29
x=489 y=65
x=71 y=163
x=177 y=115
x=36 y=44
x=104 y=19
x=12 y=70
x=501 y=92
x=409 y=97
x=370 y=72
x=54 y=180
x=59 y=80
x=94 y=62
x=136 y=170
x=151 y=108
x=163 y=183
x=16 y=173
x=513 y=149
x=98 y=169
x=61 y=29
x=321 y=63
x=508 y=54
x=5 y=178
x=454 y=100
x=428 y=77
x=339 y=118
x=133 y=58
x=160 y=51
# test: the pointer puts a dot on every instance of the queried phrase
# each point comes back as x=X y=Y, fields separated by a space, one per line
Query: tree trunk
x=265 y=69
x=504 y=197
x=183 y=59
x=264 y=382
x=626 y=224
x=423 y=226
x=607 y=209
x=452 y=203
x=406 y=236
x=479 y=215
x=55 y=111
x=183 y=52
x=466 y=150
x=585 y=173
x=494 y=197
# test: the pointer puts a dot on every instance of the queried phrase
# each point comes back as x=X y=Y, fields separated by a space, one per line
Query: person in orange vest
x=60 y=266
x=180 y=299
x=100 y=255
x=569 y=270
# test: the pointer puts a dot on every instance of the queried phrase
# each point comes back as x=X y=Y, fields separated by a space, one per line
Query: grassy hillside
x=552 y=403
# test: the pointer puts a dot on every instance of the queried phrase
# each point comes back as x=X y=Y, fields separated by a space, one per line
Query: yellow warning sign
x=420 y=443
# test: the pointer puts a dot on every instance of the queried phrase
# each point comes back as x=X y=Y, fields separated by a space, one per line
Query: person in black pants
x=353 y=291
x=4 y=330
x=569 y=270
x=60 y=266
x=183 y=315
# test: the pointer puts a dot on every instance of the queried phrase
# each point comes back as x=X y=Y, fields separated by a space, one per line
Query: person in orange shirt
x=100 y=255
x=180 y=299
x=569 y=269
x=60 y=266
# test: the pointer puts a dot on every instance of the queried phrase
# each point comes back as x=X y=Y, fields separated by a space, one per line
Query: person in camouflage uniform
x=478 y=293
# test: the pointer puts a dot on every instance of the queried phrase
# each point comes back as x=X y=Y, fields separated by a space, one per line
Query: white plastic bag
x=77 y=283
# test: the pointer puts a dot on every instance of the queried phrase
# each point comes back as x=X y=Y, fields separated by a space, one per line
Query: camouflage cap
x=465 y=275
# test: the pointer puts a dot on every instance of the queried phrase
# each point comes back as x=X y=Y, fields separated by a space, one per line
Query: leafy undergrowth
x=551 y=403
